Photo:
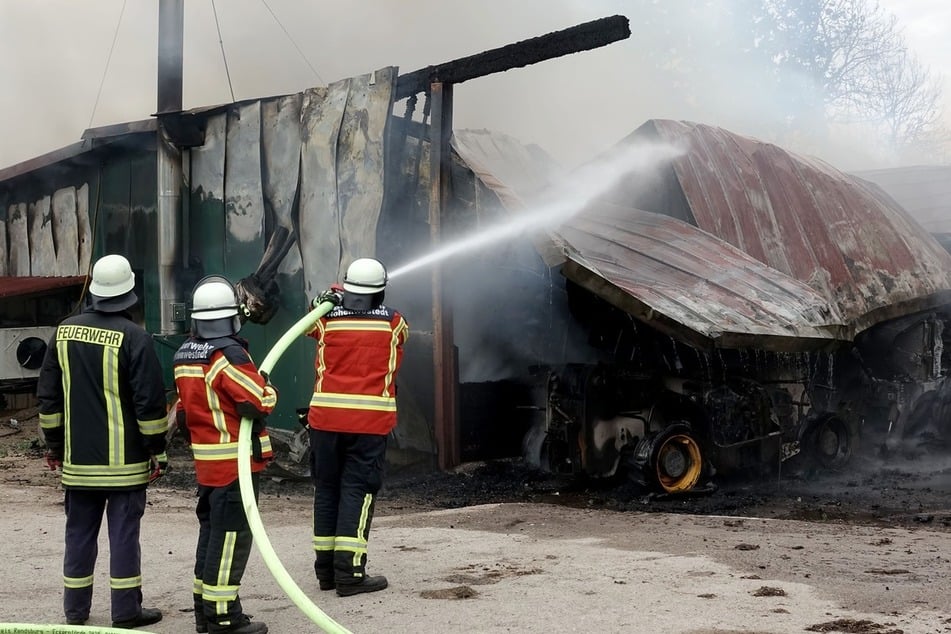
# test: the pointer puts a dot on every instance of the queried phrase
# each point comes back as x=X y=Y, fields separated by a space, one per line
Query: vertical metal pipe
x=171 y=43
x=169 y=185
x=169 y=179
x=445 y=369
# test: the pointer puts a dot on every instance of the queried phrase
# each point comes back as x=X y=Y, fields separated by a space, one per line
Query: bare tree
x=816 y=62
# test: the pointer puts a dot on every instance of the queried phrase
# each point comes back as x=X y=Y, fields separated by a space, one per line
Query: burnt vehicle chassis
x=671 y=416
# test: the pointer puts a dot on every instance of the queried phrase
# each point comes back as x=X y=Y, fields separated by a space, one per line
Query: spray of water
x=565 y=201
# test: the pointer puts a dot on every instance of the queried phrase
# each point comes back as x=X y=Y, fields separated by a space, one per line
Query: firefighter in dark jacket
x=218 y=385
x=353 y=409
x=103 y=413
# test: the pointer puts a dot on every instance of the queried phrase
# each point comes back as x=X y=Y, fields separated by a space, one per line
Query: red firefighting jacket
x=358 y=356
x=218 y=384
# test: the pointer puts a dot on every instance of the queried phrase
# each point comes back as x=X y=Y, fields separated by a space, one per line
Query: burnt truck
x=746 y=309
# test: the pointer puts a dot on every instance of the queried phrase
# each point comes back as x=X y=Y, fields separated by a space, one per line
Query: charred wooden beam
x=582 y=37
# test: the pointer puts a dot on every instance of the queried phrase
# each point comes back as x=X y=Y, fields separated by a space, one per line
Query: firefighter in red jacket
x=218 y=385
x=353 y=408
x=103 y=415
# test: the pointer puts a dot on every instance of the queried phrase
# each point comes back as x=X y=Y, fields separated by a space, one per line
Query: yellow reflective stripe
x=51 y=421
x=223 y=592
x=391 y=362
x=220 y=595
x=101 y=469
x=214 y=403
x=89 y=334
x=321 y=362
x=125 y=583
x=224 y=451
x=353 y=401
x=77 y=582
x=189 y=371
x=62 y=351
x=153 y=427
x=196 y=586
x=246 y=382
x=365 y=514
x=351 y=544
x=162 y=457
x=103 y=480
x=403 y=328
x=358 y=325
x=114 y=419
x=323 y=543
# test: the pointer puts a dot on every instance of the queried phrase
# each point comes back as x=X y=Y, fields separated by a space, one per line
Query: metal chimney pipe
x=171 y=44
x=170 y=176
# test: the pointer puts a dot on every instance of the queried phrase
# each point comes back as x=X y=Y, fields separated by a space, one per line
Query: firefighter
x=103 y=414
x=353 y=408
x=218 y=385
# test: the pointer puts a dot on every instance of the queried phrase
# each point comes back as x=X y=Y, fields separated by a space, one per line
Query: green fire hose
x=261 y=540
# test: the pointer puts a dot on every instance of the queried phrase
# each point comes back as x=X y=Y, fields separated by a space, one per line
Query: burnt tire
x=670 y=461
x=829 y=443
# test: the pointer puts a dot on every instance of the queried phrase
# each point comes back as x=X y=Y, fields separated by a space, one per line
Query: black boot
x=367 y=584
x=201 y=621
x=240 y=625
x=147 y=616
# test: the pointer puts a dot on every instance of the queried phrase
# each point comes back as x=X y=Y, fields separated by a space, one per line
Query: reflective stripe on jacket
x=218 y=384
x=358 y=356
x=102 y=401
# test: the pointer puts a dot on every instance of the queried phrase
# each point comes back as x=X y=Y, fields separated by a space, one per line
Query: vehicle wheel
x=535 y=447
x=829 y=442
x=674 y=459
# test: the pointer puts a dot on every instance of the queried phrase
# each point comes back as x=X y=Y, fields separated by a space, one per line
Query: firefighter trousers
x=224 y=545
x=84 y=510
x=348 y=472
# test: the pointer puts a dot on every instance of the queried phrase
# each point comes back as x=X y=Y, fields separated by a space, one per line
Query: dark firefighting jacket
x=102 y=401
x=358 y=356
x=218 y=385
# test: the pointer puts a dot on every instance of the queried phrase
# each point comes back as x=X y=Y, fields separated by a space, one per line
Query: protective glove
x=331 y=295
x=159 y=467
x=268 y=384
x=54 y=460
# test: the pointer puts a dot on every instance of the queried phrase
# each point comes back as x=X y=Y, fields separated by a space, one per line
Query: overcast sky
x=53 y=54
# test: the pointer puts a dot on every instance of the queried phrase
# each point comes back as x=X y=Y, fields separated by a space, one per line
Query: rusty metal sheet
x=4 y=257
x=672 y=275
x=42 y=252
x=857 y=248
x=321 y=114
x=244 y=196
x=360 y=163
x=30 y=285
x=84 y=230
x=66 y=231
x=281 y=146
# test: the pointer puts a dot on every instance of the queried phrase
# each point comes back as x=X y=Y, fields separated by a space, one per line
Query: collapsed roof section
x=759 y=247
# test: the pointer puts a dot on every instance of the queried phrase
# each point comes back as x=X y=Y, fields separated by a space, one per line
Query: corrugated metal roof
x=778 y=224
x=675 y=276
x=848 y=241
x=18 y=286
x=924 y=191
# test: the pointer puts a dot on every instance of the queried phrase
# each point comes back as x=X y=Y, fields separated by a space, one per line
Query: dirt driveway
x=529 y=566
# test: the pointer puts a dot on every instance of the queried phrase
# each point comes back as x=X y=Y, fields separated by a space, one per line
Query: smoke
x=631 y=161
x=53 y=53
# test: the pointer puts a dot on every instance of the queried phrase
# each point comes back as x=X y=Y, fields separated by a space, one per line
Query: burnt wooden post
x=445 y=369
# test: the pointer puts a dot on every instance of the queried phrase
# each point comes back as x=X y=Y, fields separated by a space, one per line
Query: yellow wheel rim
x=678 y=463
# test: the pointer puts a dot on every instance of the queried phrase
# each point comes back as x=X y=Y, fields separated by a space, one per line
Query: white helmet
x=214 y=298
x=111 y=276
x=365 y=276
